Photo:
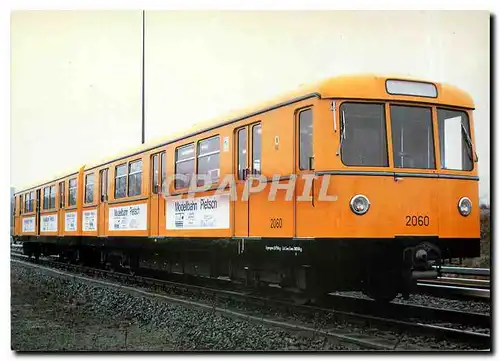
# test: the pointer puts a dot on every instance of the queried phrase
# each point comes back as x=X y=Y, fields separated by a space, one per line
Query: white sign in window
x=198 y=213
x=48 y=223
x=89 y=221
x=128 y=218
x=29 y=224
x=70 y=222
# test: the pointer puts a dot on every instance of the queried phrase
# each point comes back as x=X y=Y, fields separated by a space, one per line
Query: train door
x=103 y=204
x=304 y=169
x=255 y=168
x=60 y=211
x=38 y=200
x=155 y=197
x=241 y=177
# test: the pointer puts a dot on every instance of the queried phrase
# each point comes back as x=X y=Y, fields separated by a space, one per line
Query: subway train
x=358 y=182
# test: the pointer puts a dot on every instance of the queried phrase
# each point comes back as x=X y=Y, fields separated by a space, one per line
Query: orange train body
x=349 y=130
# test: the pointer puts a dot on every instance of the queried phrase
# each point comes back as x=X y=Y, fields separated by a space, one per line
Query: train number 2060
x=276 y=223
x=414 y=221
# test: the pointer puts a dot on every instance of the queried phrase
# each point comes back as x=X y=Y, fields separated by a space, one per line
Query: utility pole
x=143 y=88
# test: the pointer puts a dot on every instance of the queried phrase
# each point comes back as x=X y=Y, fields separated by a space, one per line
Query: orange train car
x=364 y=183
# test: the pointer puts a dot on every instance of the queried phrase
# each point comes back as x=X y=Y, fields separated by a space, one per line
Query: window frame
x=127 y=175
x=383 y=104
x=420 y=106
x=31 y=201
x=163 y=171
x=300 y=112
x=103 y=188
x=46 y=197
x=139 y=160
x=62 y=199
x=458 y=110
x=52 y=205
x=388 y=80
x=120 y=176
x=155 y=163
x=241 y=176
x=252 y=163
x=198 y=156
x=176 y=161
x=69 y=192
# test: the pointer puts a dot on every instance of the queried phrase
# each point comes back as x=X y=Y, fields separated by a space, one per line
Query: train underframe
x=381 y=268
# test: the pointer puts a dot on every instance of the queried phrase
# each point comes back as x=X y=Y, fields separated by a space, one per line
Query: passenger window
x=46 y=197
x=208 y=159
x=121 y=181
x=454 y=140
x=184 y=164
x=363 y=140
x=256 y=149
x=31 y=201
x=155 y=185
x=412 y=137
x=61 y=195
x=26 y=203
x=104 y=185
x=135 y=178
x=52 y=200
x=163 y=173
x=72 y=192
x=89 y=188
x=305 y=138
x=242 y=152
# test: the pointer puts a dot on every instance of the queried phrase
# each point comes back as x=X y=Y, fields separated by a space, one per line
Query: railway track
x=319 y=321
x=454 y=283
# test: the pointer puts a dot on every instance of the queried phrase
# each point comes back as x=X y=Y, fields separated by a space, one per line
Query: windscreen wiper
x=342 y=132
x=469 y=143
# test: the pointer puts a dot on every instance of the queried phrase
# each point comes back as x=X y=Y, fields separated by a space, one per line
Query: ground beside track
x=57 y=313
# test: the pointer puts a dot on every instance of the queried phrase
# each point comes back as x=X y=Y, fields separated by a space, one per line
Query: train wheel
x=384 y=295
x=381 y=289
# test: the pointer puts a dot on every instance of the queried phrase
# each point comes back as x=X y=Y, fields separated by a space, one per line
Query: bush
x=483 y=261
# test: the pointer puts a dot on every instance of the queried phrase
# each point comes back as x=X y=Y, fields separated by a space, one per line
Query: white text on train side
x=277 y=187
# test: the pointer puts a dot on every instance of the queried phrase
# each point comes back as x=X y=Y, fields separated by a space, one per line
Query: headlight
x=464 y=206
x=360 y=204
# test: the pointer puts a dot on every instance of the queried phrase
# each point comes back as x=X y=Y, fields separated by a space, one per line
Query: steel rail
x=480 y=339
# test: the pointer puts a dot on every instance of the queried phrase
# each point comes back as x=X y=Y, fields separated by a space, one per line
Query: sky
x=76 y=75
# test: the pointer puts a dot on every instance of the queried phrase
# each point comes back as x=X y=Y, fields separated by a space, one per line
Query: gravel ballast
x=436 y=302
x=51 y=312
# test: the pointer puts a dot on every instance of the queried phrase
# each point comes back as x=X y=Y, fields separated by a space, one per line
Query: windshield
x=412 y=137
x=454 y=140
x=363 y=135
x=363 y=140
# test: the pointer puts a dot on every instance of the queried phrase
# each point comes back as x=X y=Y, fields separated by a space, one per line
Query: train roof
x=361 y=86
x=58 y=176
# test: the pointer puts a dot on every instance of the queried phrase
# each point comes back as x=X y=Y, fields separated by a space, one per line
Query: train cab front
x=405 y=177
